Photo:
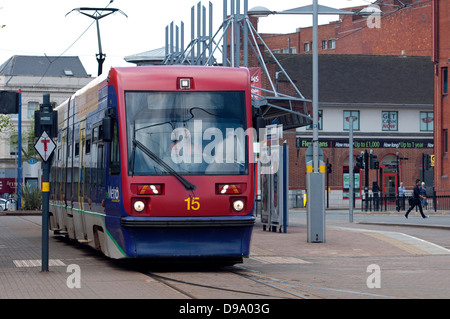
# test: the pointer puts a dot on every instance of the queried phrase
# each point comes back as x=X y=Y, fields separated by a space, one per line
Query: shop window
x=426 y=121
x=346 y=180
x=355 y=116
x=389 y=121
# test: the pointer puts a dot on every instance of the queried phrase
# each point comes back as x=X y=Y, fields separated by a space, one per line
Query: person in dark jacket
x=416 y=200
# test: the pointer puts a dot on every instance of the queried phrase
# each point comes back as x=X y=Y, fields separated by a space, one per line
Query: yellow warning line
x=399 y=244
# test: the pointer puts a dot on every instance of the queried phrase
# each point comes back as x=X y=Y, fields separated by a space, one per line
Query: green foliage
x=5 y=123
x=32 y=197
x=28 y=141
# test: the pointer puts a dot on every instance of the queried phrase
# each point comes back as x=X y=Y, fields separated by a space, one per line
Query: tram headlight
x=238 y=205
x=139 y=206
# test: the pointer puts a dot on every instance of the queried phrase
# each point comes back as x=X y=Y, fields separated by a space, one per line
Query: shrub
x=32 y=197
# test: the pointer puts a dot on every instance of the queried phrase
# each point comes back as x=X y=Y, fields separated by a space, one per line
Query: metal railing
x=439 y=200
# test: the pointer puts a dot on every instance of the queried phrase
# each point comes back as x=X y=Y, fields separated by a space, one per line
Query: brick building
x=391 y=101
x=402 y=30
x=381 y=75
x=441 y=59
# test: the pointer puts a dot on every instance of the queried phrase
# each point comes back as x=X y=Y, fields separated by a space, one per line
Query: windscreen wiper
x=187 y=185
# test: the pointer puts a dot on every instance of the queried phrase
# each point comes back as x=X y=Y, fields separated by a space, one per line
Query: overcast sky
x=33 y=27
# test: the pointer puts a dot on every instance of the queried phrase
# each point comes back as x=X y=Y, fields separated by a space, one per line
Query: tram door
x=81 y=168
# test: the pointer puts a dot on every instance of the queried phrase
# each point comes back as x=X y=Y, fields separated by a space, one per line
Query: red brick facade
x=441 y=57
x=405 y=31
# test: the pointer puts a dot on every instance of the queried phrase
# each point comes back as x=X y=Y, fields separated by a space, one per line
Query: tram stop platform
x=102 y=278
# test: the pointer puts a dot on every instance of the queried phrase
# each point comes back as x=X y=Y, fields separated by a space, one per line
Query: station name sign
x=368 y=143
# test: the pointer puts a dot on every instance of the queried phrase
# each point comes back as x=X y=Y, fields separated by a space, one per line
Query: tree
x=28 y=140
x=5 y=123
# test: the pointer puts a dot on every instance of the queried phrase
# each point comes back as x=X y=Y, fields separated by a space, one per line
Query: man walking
x=416 y=200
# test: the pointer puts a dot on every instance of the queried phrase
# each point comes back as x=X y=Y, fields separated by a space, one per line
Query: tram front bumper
x=190 y=237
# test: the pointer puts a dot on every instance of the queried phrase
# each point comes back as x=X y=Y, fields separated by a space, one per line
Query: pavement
x=274 y=254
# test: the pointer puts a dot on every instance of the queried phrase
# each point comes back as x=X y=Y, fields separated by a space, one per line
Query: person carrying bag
x=415 y=200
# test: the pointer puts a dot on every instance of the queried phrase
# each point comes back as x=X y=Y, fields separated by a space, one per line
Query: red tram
x=156 y=162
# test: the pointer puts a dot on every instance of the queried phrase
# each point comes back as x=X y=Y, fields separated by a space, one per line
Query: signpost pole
x=45 y=214
x=45 y=129
x=19 y=154
x=351 y=185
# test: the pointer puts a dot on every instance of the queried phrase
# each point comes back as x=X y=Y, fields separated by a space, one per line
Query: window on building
x=426 y=121
x=285 y=51
x=320 y=124
x=32 y=106
x=355 y=116
x=276 y=50
x=445 y=81
x=332 y=44
x=389 y=121
x=356 y=180
x=307 y=46
x=324 y=44
x=294 y=50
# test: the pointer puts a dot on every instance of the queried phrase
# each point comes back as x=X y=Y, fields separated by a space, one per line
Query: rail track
x=225 y=283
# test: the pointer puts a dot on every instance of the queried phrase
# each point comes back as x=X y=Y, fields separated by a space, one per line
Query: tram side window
x=114 y=159
x=100 y=165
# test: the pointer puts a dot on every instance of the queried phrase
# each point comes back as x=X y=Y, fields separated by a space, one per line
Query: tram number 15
x=193 y=203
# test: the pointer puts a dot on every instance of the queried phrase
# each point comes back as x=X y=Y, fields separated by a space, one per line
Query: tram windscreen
x=195 y=133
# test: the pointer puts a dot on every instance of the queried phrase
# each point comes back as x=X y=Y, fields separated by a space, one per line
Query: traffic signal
x=45 y=119
x=360 y=161
x=374 y=164
x=427 y=161
x=329 y=168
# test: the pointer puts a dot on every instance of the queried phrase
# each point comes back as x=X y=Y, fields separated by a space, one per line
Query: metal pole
x=45 y=194
x=210 y=38
x=350 y=171
x=238 y=33
x=233 y=30
x=203 y=39
x=328 y=185
x=225 y=38
x=171 y=43
x=285 y=185
x=45 y=215
x=199 y=32
x=366 y=182
x=100 y=56
x=245 y=34
x=315 y=97
x=192 y=35
x=182 y=38
x=167 y=42
x=19 y=154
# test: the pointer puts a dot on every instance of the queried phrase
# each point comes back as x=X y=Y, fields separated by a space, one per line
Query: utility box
x=315 y=206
